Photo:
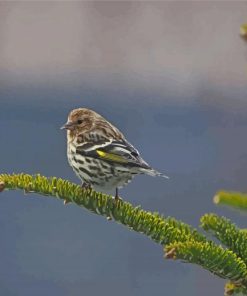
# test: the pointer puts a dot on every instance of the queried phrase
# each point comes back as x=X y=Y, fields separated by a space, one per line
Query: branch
x=228 y=233
x=183 y=242
x=159 y=229
x=232 y=289
x=223 y=263
x=233 y=199
x=243 y=31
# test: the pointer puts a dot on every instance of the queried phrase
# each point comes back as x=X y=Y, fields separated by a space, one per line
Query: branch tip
x=171 y=254
x=243 y=31
x=216 y=199
x=2 y=186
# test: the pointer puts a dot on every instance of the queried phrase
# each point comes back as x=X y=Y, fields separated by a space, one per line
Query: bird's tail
x=154 y=173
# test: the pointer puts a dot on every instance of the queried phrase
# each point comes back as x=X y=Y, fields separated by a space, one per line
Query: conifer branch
x=233 y=289
x=227 y=232
x=221 y=262
x=161 y=230
x=243 y=31
x=233 y=199
x=181 y=240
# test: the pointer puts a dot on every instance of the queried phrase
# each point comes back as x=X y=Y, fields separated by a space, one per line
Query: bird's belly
x=101 y=175
x=112 y=181
x=111 y=184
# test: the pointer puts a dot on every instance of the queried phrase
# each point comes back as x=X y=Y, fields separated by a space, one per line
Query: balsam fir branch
x=181 y=240
x=234 y=289
x=233 y=199
x=161 y=230
x=228 y=233
x=243 y=31
x=217 y=260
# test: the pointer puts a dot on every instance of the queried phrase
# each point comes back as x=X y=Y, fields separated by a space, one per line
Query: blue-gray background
x=172 y=76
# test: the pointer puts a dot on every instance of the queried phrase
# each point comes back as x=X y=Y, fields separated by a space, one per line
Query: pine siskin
x=99 y=153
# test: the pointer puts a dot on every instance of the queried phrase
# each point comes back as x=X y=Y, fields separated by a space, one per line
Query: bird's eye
x=79 y=121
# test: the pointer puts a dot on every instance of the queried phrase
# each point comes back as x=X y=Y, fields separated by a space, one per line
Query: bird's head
x=79 y=121
x=82 y=121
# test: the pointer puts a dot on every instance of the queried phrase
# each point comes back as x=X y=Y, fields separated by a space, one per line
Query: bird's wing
x=111 y=150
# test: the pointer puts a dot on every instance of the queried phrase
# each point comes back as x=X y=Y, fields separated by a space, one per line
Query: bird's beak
x=68 y=125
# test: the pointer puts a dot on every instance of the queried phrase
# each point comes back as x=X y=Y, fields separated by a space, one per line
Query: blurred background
x=172 y=76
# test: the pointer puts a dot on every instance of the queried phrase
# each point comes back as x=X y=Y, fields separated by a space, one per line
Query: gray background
x=172 y=77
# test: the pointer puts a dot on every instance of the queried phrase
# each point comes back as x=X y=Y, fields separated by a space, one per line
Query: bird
x=99 y=153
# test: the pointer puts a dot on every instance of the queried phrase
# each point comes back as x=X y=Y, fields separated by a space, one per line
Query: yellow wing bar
x=111 y=156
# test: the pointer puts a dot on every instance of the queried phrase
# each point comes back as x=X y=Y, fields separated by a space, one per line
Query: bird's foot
x=117 y=197
x=86 y=186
